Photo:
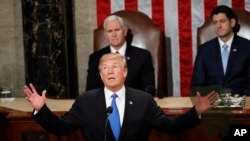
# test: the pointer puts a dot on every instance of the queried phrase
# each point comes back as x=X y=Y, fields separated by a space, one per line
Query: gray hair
x=112 y=18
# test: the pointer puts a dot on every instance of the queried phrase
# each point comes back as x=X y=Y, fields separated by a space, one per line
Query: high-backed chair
x=206 y=31
x=144 y=34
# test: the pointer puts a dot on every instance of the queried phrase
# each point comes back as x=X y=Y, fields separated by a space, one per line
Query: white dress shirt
x=122 y=50
x=229 y=44
x=120 y=100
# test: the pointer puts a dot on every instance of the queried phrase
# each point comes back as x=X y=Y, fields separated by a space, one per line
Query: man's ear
x=233 y=22
x=125 y=29
x=125 y=73
x=100 y=75
x=105 y=35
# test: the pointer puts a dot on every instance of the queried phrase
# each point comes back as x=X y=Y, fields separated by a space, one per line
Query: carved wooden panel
x=49 y=47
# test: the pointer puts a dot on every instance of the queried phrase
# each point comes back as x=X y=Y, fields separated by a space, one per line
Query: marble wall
x=12 y=67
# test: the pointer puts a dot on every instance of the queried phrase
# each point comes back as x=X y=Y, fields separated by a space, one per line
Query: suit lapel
x=232 y=55
x=218 y=57
x=101 y=109
x=100 y=102
x=107 y=50
x=128 y=54
x=129 y=107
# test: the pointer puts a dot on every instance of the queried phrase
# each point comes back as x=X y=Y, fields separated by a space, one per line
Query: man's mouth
x=111 y=78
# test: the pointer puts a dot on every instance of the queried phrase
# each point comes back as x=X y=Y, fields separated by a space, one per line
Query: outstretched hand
x=202 y=104
x=34 y=98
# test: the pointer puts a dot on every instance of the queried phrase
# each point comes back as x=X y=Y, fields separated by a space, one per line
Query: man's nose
x=110 y=70
x=113 y=33
x=218 y=25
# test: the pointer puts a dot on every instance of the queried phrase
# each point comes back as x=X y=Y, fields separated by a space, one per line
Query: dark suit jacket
x=140 y=68
x=141 y=115
x=208 y=68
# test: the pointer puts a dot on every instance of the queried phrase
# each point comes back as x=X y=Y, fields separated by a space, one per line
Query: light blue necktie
x=224 y=57
x=114 y=118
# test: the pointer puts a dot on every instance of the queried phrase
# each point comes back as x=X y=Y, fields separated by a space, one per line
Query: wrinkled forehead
x=111 y=58
x=220 y=15
x=111 y=61
x=113 y=25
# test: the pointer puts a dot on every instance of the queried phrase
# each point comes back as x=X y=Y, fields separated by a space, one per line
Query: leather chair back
x=144 y=34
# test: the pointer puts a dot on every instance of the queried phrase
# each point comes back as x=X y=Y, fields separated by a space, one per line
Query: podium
x=16 y=123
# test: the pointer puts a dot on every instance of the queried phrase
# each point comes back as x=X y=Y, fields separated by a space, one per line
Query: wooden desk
x=16 y=123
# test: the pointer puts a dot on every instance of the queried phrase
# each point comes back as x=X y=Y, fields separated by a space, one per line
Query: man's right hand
x=34 y=98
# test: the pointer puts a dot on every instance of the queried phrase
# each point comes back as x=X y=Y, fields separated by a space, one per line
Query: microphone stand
x=151 y=90
x=109 y=110
x=154 y=92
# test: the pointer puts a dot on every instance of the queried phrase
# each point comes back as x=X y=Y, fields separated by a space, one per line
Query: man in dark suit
x=140 y=66
x=137 y=112
x=224 y=60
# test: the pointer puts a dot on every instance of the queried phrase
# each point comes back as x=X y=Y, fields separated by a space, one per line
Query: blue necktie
x=224 y=57
x=114 y=118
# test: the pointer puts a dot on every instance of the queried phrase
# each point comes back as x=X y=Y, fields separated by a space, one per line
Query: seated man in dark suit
x=224 y=60
x=134 y=113
x=140 y=66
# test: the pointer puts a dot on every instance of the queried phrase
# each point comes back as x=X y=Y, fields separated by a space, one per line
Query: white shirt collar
x=122 y=50
x=229 y=43
x=120 y=100
x=108 y=94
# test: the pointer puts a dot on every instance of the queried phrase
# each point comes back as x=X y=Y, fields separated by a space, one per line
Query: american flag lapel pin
x=130 y=102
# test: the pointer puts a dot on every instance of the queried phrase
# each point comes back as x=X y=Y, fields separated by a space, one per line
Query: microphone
x=109 y=110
